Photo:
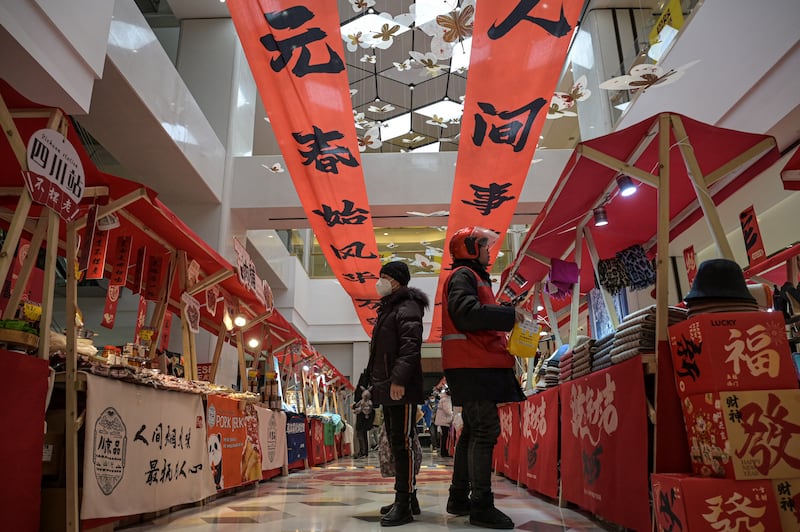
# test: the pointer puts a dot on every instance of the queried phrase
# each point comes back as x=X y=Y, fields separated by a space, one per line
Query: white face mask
x=384 y=287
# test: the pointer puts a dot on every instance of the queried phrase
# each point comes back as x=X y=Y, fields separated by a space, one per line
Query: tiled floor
x=345 y=496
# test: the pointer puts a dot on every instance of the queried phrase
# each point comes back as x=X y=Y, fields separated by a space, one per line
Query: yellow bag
x=524 y=340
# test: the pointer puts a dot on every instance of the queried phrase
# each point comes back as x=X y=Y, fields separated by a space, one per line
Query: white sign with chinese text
x=53 y=157
x=272 y=434
x=145 y=450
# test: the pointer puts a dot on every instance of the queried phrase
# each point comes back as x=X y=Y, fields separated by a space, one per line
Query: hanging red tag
x=163 y=343
x=138 y=270
x=154 y=277
x=120 y=261
x=88 y=238
x=752 y=236
x=110 y=308
x=97 y=255
x=141 y=315
x=690 y=261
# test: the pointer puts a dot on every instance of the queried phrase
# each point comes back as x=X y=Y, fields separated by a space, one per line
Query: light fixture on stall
x=600 y=217
x=240 y=321
x=253 y=343
x=626 y=186
x=305 y=368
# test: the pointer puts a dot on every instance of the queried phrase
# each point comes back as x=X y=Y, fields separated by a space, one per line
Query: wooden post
x=531 y=361
x=160 y=312
x=221 y=332
x=551 y=316
x=242 y=364
x=72 y=427
x=27 y=267
x=49 y=284
x=189 y=354
x=576 y=290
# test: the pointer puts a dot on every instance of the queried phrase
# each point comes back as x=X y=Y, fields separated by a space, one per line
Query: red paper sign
x=538 y=449
x=603 y=440
x=139 y=271
x=752 y=236
x=120 y=261
x=88 y=238
x=295 y=51
x=45 y=192
x=165 y=332
x=97 y=256
x=154 y=277
x=110 y=308
x=690 y=261
x=233 y=445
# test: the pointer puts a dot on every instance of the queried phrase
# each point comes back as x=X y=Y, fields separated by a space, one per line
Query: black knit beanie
x=398 y=271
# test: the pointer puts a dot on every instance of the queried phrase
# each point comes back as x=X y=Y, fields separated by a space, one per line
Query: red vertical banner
x=509 y=434
x=154 y=277
x=97 y=256
x=690 y=261
x=514 y=44
x=165 y=332
x=88 y=238
x=603 y=440
x=295 y=52
x=120 y=261
x=139 y=270
x=141 y=315
x=110 y=308
x=752 y=236
x=538 y=448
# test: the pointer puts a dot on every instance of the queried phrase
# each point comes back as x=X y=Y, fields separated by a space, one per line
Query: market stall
x=681 y=168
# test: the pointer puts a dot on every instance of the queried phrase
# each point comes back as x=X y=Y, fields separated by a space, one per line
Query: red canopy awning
x=727 y=159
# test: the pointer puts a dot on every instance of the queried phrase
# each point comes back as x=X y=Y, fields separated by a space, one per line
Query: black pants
x=434 y=435
x=472 y=465
x=399 y=421
x=363 y=442
x=444 y=439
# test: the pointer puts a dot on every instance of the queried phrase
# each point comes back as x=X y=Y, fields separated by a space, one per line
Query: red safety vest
x=473 y=349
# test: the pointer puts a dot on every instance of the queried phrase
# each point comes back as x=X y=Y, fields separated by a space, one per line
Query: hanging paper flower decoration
x=642 y=77
x=405 y=65
x=354 y=40
x=414 y=140
x=361 y=121
x=370 y=140
x=361 y=5
x=353 y=92
x=276 y=168
x=457 y=24
x=437 y=121
x=369 y=59
x=388 y=108
x=429 y=62
x=384 y=38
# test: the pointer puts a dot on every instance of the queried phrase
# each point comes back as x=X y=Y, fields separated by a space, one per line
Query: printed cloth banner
x=603 y=440
x=234 y=450
x=538 y=448
x=272 y=433
x=509 y=439
x=295 y=51
x=518 y=50
x=144 y=451
x=315 y=441
x=295 y=437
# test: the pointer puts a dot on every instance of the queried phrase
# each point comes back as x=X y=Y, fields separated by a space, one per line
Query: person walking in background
x=444 y=418
x=479 y=372
x=395 y=368
x=365 y=414
x=430 y=406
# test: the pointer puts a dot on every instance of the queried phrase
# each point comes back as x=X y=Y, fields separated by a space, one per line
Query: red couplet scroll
x=518 y=49
x=296 y=54
x=604 y=444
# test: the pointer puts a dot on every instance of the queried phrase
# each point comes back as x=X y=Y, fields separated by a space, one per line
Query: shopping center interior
x=161 y=93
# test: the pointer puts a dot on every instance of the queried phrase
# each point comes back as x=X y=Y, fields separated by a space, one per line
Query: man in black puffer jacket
x=395 y=368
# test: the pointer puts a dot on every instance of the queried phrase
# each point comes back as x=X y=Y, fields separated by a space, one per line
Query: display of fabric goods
x=612 y=275
x=551 y=369
x=719 y=286
x=637 y=332
x=601 y=352
x=638 y=267
x=563 y=275
x=582 y=358
x=565 y=367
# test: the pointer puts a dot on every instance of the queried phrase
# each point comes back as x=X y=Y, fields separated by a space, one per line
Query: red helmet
x=465 y=242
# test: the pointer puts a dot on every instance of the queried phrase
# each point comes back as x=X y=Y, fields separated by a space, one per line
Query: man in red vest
x=479 y=372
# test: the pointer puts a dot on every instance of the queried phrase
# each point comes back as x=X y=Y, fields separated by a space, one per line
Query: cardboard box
x=731 y=351
x=693 y=504
x=744 y=435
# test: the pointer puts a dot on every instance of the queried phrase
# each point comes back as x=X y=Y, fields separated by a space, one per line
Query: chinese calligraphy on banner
x=514 y=45
x=233 y=447
x=295 y=52
x=538 y=449
x=603 y=440
x=509 y=440
x=272 y=434
x=143 y=451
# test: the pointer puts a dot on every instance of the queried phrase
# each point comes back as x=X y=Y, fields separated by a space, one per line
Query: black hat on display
x=719 y=279
x=397 y=270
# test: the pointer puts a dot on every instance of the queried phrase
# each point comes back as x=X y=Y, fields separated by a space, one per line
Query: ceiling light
x=305 y=368
x=539 y=308
x=600 y=217
x=626 y=186
x=240 y=321
x=253 y=343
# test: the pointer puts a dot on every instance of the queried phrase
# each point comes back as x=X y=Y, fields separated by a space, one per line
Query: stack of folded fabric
x=551 y=367
x=565 y=367
x=637 y=332
x=582 y=358
x=601 y=352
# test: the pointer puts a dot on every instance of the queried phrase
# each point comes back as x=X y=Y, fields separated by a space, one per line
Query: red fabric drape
x=518 y=49
x=296 y=54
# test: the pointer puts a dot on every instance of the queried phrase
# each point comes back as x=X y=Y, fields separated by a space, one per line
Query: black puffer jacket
x=395 y=350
